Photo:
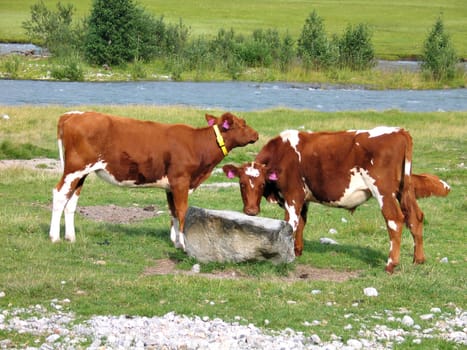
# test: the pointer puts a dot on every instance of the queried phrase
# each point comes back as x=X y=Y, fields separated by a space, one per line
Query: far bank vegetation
x=120 y=33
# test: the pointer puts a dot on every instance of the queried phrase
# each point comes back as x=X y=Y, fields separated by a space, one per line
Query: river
x=232 y=96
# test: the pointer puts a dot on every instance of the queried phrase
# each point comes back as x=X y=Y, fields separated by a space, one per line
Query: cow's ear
x=273 y=175
x=211 y=119
x=227 y=121
x=230 y=170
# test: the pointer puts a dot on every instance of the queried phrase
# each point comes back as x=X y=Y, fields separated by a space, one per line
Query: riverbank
x=29 y=63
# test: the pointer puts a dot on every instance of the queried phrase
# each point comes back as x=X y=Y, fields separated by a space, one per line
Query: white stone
x=325 y=240
x=196 y=268
x=354 y=343
x=435 y=310
x=426 y=317
x=2 y=294
x=332 y=231
x=370 y=292
x=444 y=260
x=407 y=321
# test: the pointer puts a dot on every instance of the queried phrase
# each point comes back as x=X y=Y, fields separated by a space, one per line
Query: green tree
x=355 y=48
x=52 y=29
x=439 y=55
x=118 y=31
x=313 y=46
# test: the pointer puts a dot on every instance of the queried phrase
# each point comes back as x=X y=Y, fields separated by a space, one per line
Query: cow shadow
x=106 y=232
x=369 y=256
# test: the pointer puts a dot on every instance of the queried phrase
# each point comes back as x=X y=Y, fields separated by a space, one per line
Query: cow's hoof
x=418 y=261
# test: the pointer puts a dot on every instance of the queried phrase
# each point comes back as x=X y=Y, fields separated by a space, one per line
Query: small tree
x=52 y=29
x=119 y=32
x=439 y=56
x=355 y=48
x=313 y=46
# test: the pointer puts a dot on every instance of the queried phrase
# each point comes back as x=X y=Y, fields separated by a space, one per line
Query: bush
x=313 y=46
x=68 y=69
x=119 y=32
x=53 y=29
x=355 y=48
x=439 y=56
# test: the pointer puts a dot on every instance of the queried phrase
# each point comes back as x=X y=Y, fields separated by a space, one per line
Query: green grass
x=399 y=27
x=34 y=271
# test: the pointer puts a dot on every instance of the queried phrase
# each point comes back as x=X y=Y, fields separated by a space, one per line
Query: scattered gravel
x=59 y=329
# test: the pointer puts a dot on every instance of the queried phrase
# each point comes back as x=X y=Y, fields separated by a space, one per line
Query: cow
x=340 y=169
x=136 y=153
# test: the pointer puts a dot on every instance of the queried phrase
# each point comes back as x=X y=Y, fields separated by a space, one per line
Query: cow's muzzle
x=251 y=211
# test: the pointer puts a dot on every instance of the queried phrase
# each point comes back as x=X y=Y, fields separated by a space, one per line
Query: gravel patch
x=56 y=328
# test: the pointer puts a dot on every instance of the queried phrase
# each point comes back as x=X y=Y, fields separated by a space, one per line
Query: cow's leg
x=174 y=223
x=178 y=205
x=414 y=221
x=70 y=209
x=292 y=211
x=65 y=198
x=59 y=202
x=394 y=223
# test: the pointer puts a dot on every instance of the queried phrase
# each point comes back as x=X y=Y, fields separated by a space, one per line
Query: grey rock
x=229 y=236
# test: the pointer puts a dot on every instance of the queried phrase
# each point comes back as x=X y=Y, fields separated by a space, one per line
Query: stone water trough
x=229 y=236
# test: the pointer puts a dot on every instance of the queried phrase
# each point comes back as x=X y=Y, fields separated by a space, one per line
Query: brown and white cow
x=135 y=153
x=340 y=169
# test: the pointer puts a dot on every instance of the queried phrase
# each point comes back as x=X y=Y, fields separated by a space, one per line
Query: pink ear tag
x=273 y=176
x=211 y=122
x=230 y=174
x=226 y=125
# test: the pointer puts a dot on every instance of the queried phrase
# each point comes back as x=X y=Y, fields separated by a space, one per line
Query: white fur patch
x=292 y=137
x=74 y=112
x=408 y=168
x=252 y=171
x=393 y=226
x=293 y=217
x=378 y=131
x=445 y=184
x=357 y=192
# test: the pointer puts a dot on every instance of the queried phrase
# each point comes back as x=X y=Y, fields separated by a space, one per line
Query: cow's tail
x=60 y=126
x=426 y=185
x=408 y=199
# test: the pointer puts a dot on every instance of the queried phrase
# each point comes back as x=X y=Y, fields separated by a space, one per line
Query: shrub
x=68 y=69
x=53 y=29
x=355 y=48
x=439 y=56
x=313 y=46
x=118 y=32
x=286 y=53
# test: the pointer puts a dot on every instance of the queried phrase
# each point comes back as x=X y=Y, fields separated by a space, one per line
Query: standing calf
x=341 y=169
x=135 y=153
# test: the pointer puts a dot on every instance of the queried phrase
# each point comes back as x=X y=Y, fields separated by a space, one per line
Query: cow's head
x=235 y=131
x=255 y=182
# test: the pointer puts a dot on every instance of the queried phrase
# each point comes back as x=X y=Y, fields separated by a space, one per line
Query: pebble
x=326 y=240
x=60 y=329
x=407 y=321
x=370 y=292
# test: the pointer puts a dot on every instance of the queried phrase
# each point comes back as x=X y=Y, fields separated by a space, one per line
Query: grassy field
x=111 y=278
x=399 y=27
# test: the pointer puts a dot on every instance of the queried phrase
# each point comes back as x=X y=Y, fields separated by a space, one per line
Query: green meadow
x=106 y=271
x=399 y=27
